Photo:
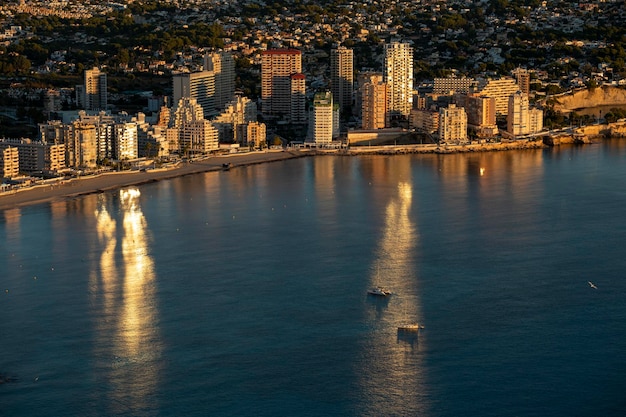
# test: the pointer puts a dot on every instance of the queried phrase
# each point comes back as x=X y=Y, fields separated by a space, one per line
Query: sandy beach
x=114 y=180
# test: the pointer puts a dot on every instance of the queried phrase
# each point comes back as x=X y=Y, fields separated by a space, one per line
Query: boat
x=409 y=328
x=379 y=291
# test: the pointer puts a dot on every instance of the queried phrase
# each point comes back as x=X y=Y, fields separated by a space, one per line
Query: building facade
x=9 y=162
x=95 y=90
x=374 y=102
x=282 y=84
x=322 y=120
x=452 y=124
x=481 y=115
x=448 y=85
x=222 y=64
x=190 y=133
x=500 y=89
x=398 y=74
x=342 y=76
x=196 y=85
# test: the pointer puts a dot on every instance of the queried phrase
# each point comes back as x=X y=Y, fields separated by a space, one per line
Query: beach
x=91 y=184
x=113 y=180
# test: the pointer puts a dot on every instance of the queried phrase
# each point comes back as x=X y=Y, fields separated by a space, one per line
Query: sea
x=244 y=292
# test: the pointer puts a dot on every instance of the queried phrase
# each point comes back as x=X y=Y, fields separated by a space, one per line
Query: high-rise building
x=452 y=124
x=125 y=140
x=342 y=76
x=322 y=122
x=298 y=98
x=517 y=117
x=222 y=64
x=95 y=90
x=521 y=119
x=282 y=84
x=197 y=85
x=373 y=102
x=398 y=74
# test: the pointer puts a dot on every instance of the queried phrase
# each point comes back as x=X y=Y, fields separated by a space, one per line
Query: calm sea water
x=245 y=292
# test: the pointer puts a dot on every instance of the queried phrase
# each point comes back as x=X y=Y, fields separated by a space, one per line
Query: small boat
x=379 y=291
x=409 y=327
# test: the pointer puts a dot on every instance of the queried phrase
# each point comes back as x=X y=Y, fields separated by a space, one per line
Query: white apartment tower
x=125 y=140
x=517 y=117
x=222 y=65
x=342 y=76
x=522 y=120
x=323 y=118
x=452 y=124
x=398 y=74
x=95 y=90
x=197 y=85
x=282 y=84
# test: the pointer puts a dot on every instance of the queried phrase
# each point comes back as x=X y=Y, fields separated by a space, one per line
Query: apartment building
x=9 y=162
x=373 y=102
x=322 y=120
x=283 y=85
x=199 y=86
x=342 y=76
x=191 y=134
x=481 y=115
x=500 y=89
x=452 y=124
x=95 y=90
x=222 y=65
x=398 y=74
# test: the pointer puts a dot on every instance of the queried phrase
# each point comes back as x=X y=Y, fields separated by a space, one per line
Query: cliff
x=601 y=96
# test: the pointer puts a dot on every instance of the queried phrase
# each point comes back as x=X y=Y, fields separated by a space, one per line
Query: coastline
x=114 y=180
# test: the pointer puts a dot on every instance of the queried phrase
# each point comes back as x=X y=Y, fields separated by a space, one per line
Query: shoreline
x=115 y=180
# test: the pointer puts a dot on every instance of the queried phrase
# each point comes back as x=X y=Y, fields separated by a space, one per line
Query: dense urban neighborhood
x=108 y=83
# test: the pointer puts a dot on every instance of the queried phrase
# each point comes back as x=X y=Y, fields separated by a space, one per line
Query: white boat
x=379 y=291
x=410 y=327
